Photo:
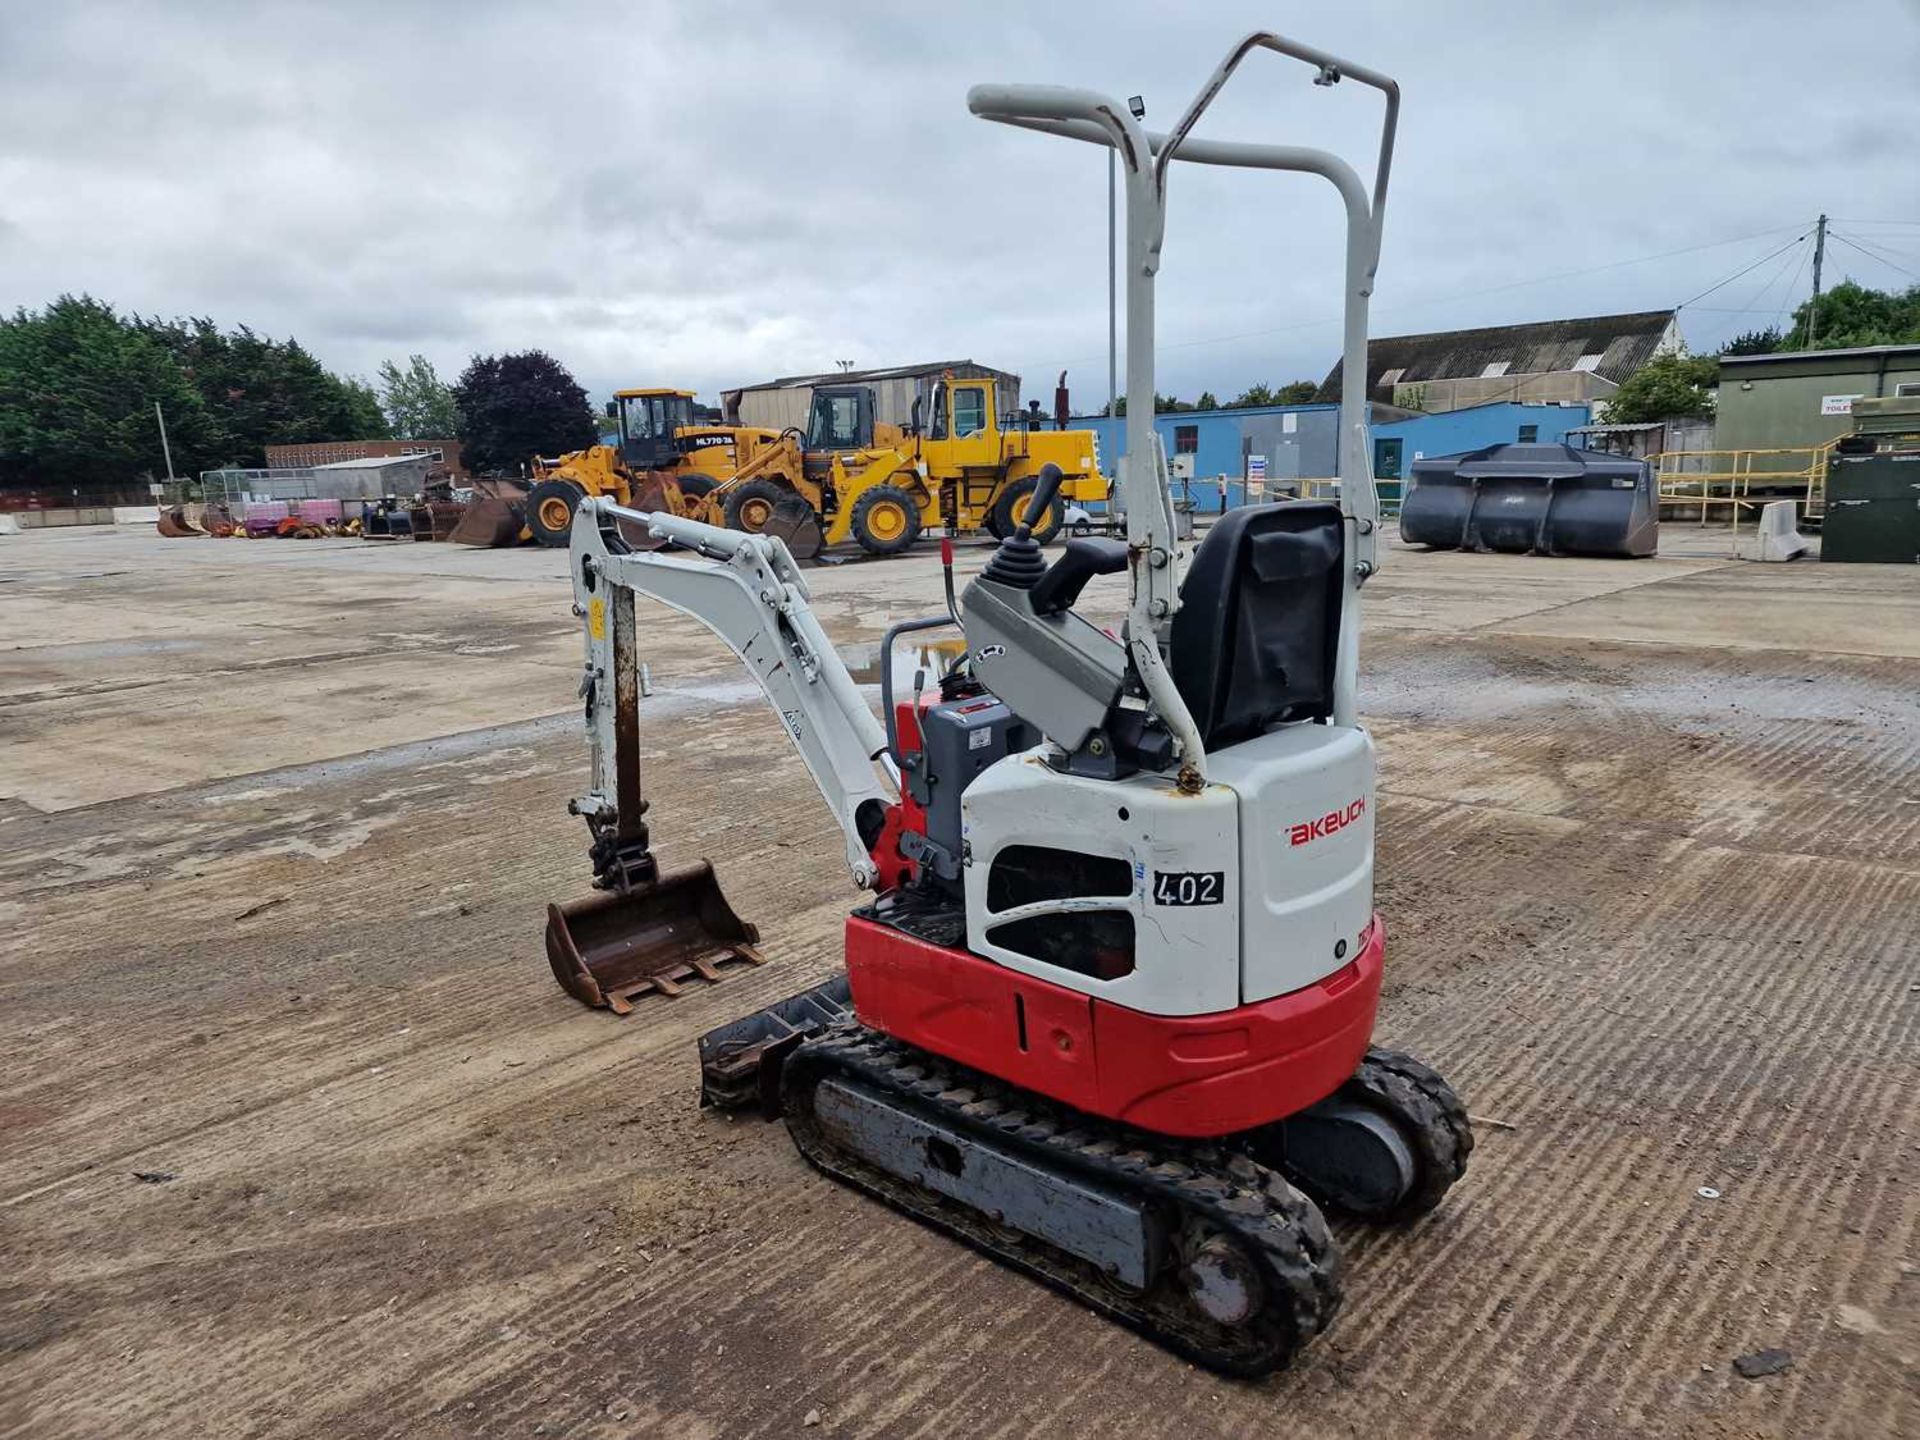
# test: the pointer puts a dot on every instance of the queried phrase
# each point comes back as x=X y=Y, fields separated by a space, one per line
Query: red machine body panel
x=1188 y=1075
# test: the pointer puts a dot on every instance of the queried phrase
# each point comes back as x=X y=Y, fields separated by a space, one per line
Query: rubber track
x=1228 y=1191
x=1430 y=1116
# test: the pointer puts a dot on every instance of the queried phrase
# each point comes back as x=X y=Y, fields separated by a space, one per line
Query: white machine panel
x=1184 y=851
x=1306 y=852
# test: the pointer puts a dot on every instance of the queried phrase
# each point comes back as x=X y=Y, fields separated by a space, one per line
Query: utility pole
x=1819 y=254
x=165 y=449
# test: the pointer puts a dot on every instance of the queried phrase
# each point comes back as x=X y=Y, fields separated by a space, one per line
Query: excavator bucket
x=658 y=936
x=1546 y=499
x=489 y=522
x=174 y=524
x=794 y=521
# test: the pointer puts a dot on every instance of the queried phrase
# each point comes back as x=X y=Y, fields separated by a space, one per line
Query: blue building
x=1213 y=451
x=1398 y=443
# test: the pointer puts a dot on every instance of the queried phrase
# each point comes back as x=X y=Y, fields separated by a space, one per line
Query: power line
x=1738 y=273
x=1786 y=300
x=1873 y=254
x=1449 y=298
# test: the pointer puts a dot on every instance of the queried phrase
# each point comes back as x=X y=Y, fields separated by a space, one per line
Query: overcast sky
x=710 y=194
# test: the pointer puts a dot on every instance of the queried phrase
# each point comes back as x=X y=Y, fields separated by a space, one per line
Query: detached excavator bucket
x=174 y=524
x=489 y=522
x=611 y=946
x=794 y=521
x=1547 y=499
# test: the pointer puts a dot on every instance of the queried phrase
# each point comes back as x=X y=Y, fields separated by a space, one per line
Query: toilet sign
x=1837 y=404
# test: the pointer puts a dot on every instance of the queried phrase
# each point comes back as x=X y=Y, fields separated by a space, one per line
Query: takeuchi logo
x=1321 y=826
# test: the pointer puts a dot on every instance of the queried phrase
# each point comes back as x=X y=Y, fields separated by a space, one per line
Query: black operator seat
x=1255 y=637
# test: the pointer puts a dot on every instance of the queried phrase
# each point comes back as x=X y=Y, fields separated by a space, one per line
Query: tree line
x=1294 y=392
x=79 y=381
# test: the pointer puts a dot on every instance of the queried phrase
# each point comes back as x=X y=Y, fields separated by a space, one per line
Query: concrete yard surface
x=299 y=1138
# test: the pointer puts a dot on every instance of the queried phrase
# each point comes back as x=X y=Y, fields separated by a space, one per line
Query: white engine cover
x=1306 y=852
x=1259 y=885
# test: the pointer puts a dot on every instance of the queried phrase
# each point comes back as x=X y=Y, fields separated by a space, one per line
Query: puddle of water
x=909 y=654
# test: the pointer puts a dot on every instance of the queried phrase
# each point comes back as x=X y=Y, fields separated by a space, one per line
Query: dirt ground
x=298 y=1137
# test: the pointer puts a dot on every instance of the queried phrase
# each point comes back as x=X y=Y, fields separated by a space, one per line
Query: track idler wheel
x=1386 y=1146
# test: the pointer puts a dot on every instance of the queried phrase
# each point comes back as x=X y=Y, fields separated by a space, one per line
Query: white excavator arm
x=748 y=590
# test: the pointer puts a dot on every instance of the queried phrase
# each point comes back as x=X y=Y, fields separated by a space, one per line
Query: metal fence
x=1727 y=483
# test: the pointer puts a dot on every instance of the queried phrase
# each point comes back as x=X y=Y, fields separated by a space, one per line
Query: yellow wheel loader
x=957 y=466
x=658 y=442
x=846 y=476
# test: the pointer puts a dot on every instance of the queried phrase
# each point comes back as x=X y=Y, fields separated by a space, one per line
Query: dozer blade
x=174 y=524
x=488 y=523
x=794 y=521
x=740 y=1061
x=611 y=946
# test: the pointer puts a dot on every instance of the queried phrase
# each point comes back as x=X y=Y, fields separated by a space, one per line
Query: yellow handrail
x=1727 y=477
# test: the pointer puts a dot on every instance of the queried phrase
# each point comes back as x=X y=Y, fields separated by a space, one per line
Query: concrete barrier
x=1776 y=537
x=8 y=524
x=136 y=514
x=45 y=519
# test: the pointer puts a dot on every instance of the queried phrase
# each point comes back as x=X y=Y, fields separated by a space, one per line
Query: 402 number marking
x=1189 y=887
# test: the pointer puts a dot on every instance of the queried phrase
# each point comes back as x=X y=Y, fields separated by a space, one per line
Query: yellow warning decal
x=597 y=618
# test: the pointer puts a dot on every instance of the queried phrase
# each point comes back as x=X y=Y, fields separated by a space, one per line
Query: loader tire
x=886 y=520
x=550 y=507
x=751 y=506
x=1009 y=509
x=695 y=486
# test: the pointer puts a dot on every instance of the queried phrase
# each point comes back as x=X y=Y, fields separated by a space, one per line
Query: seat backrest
x=1259 y=620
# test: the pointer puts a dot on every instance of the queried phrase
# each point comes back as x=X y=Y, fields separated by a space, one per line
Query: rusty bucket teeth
x=611 y=946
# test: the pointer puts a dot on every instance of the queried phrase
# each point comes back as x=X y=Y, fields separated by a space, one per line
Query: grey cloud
x=711 y=193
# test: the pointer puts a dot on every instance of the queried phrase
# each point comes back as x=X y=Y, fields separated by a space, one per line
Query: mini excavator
x=1107 y=1012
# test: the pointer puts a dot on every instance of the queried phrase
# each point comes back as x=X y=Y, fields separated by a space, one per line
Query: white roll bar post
x=1085 y=115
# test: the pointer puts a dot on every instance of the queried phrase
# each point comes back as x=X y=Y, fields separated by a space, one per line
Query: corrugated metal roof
x=1623 y=342
x=372 y=462
x=858 y=377
x=1856 y=353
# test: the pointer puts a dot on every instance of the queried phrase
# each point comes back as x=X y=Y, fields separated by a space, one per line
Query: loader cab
x=648 y=420
x=960 y=416
x=840 y=419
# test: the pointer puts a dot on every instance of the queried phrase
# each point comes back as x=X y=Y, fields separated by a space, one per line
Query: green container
x=1873 y=510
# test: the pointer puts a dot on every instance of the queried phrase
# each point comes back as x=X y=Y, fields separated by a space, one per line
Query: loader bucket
x=488 y=523
x=654 y=491
x=1547 y=499
x=612 y=945
x=794 y=521
x=174 y=524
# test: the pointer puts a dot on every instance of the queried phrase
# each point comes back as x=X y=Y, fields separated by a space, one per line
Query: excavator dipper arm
x=748 y=590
